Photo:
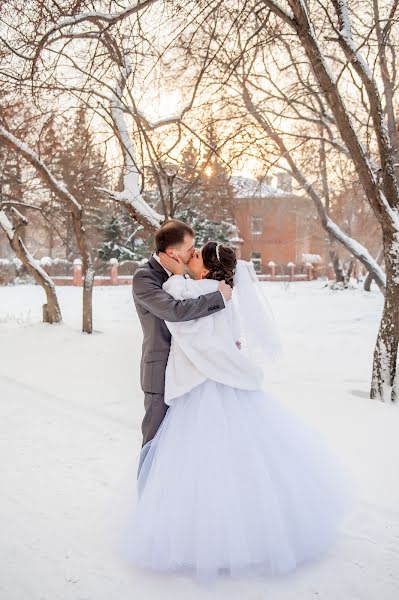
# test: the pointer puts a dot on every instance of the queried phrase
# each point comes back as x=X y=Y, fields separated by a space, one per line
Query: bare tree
x=344 y=53
x=51 y=310
x=76 y=211
x=331 y=40
x=336 y=233
x=379 y=179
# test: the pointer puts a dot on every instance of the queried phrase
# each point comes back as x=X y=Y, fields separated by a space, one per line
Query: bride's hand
x=175 y=265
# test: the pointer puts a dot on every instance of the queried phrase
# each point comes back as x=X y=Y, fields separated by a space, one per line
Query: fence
x=64 y=272
x=293 y=272
x=115 y=273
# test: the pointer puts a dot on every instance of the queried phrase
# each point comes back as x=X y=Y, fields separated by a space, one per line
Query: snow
x=46 y=261
x=35 y=160
x=94 y=15
x=311 y=258
x=346 y=34
x=6 y=225
x=35 y=264
x=71 y=410
x=17 y=261
x=394 y=252
x=312 y=35
x=131 y=176
x=246 y=187
x=357 y=249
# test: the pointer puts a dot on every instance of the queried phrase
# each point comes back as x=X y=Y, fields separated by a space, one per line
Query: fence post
x=291 y=267
x=114 y=271
x=77 y=272
x=309 y=270
x=272 y=266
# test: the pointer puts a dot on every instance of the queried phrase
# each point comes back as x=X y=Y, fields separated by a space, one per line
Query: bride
x=232 y=482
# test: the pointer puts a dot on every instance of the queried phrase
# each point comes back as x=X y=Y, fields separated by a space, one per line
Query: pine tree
x=206 y=229
x=217 y=194
x=121 y=244
x=79 y=164
x=10 y=161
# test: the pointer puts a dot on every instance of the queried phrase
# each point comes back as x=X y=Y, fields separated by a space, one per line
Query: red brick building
x=276 y=225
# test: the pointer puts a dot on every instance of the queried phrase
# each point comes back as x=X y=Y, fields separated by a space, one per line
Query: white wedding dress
x=232 y=483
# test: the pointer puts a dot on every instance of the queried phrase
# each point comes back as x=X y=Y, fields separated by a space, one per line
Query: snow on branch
x=56 y=186
x=35 y=264
x=23 y=252
x=358 y=250
x=281 y=12
x=92 y=16
x=350 y=244
x=376 y=108
x=178 y=116
x=6 y=225
x=166 y=120
x=345 y=34
x=131 y=193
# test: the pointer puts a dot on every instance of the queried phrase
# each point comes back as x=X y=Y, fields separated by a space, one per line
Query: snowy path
x=70 y=414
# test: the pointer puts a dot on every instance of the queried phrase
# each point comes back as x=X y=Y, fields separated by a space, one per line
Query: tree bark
x=369 y=278
x=51 y=310
x=77 y=218
x=384 y=201
x=385 y=378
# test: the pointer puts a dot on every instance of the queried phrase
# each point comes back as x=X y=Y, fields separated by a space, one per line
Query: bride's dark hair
x=223 y=269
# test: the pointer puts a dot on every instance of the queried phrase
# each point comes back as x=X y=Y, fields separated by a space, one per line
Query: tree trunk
x=87 y=269
x=384 y=201
x=385 y=379
x=370 y=276
x=359 y=251
x=76 y=214
x=51 y=310
x=334 y=258
x=87 y=317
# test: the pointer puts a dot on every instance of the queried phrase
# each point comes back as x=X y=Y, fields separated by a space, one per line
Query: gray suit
x=154 y=307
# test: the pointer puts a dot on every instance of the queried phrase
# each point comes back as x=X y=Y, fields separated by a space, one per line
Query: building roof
x=246 y=187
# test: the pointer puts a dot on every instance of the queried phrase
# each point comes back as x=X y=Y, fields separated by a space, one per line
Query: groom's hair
x=171 y=234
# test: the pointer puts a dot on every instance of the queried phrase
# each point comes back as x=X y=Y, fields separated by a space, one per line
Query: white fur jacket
x=206 y=348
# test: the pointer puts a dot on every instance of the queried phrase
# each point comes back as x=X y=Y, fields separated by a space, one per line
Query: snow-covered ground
x=71 y=409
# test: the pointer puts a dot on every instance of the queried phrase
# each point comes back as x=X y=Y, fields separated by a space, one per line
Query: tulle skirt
x=234 y=483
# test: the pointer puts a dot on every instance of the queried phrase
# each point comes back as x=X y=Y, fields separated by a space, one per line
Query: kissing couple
x=229 y=481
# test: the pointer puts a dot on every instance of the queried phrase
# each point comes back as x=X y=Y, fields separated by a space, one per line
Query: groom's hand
x=225 y=289
x=175 y=265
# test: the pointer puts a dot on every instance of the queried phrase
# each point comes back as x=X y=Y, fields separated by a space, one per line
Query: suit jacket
x=155 y=306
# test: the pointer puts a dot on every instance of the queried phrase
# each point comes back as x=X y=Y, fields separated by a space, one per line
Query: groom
x=174 y=242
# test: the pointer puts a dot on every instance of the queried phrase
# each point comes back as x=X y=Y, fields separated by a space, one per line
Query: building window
x=256 y=225
x=256 y=258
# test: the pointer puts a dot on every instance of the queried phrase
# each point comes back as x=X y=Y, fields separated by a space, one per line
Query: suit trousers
x=155 y=411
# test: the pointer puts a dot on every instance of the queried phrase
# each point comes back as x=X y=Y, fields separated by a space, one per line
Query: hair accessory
x=217 y=251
